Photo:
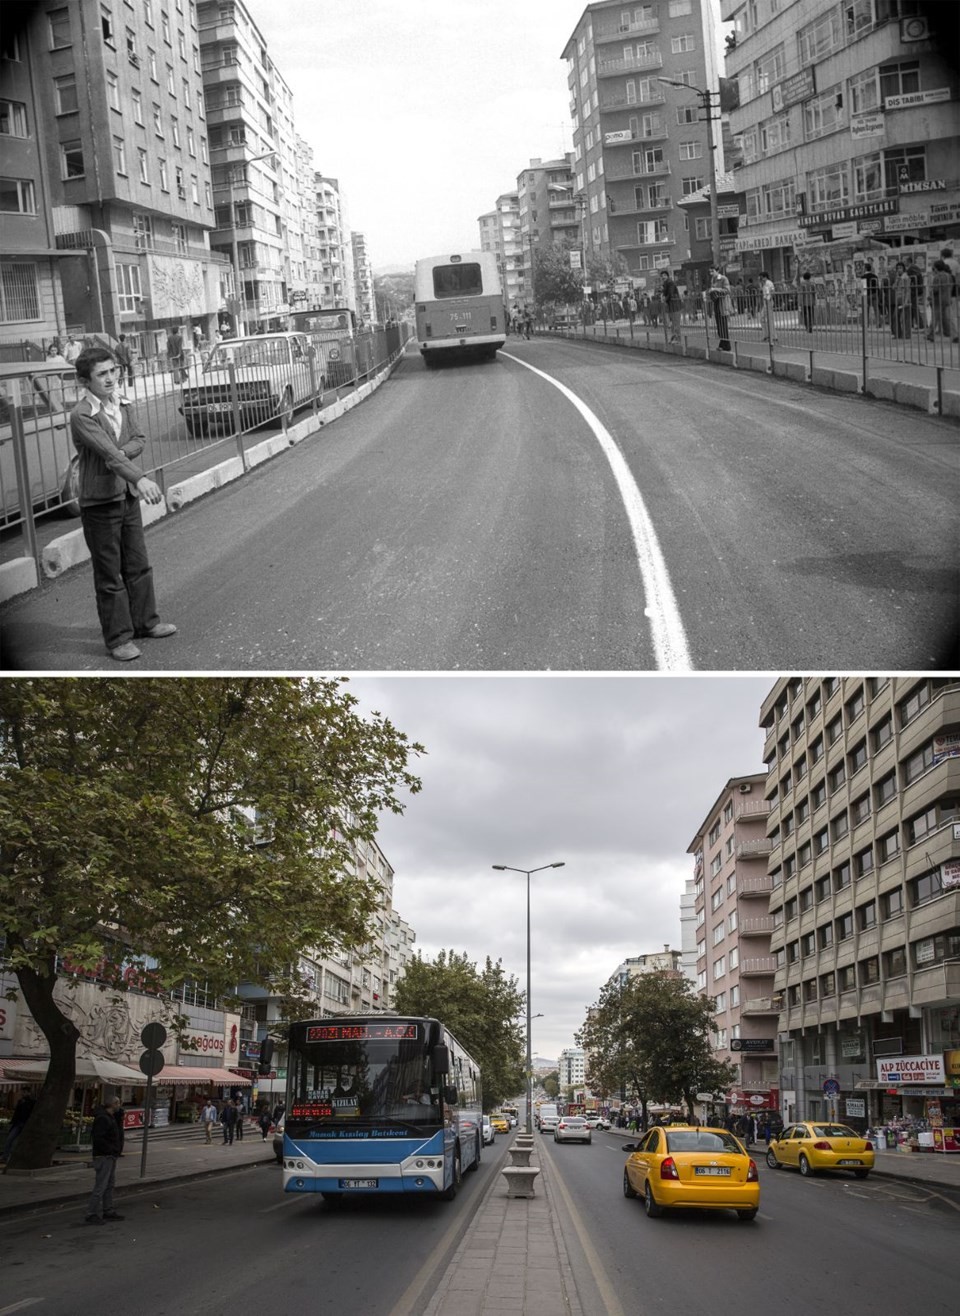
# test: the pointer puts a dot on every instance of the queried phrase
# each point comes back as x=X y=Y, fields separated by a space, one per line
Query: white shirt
x=110 y=409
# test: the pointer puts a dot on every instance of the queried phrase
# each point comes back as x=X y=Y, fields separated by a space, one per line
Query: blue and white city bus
x=459 y=306
x=379 y=1104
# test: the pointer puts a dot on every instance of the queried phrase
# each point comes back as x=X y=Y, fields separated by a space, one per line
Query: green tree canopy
x=650 y=1037
x=554 y=282
x=206 y=825
x=481 y=1009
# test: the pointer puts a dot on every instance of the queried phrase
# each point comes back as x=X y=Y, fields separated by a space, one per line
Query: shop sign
x=911 y=98
x=867 y=210
x=751 y=1044
x=951 y=1063
x=911 y=1069
x=848 y=230
x=728 y=212
x=944 y=212
x=946 y=746
x=792 y=90
x=851 y=1047
x=899 y=223
x=871 y=226
x=202 y=1044
x=866 y=125
x=855 y=1107
x=614 y=138
x=766 y=241
x=925 y=185
x=956 y=831
x=950 y=873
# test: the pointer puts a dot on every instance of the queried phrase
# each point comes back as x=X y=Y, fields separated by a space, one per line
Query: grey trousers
x=101 y=1199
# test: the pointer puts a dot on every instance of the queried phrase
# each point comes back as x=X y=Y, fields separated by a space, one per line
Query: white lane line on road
x=666 y=627
x=19 y=1306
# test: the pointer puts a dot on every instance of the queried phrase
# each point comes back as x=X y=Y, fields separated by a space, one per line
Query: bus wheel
x=450 y=1193
x=475 y=1163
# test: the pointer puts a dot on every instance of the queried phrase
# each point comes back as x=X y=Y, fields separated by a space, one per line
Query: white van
x=548 y=1117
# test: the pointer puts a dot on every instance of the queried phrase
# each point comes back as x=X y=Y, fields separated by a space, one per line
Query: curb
x=121 y=1190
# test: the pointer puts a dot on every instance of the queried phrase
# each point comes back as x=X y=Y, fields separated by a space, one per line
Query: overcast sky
x=612 y=775
x=425 y=110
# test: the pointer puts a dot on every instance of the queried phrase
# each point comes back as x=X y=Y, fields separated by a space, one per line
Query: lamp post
x=241 y=297
x=706 y=101
x=506 y=868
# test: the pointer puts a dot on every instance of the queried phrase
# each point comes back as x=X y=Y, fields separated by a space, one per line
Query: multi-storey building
x=362 y=280
x=571 y=1069
x=252 y=152
x=658 y=961
x=305 y=288
x=848 y=126
x=639 y=143
x=734 y=963
x=546 y=214
x=336 y=257
x=863 y=789
x=105 y=149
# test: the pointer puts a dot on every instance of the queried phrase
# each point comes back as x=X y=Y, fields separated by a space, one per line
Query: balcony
x=761 y=848
x=751 y=927
x=762 y=1005
x=641 y=208
x=608 y=68
x=625 y=137
x=615 y=101
x=747 y=809
x=659 y=170
x=760 y=965
x=755 y=886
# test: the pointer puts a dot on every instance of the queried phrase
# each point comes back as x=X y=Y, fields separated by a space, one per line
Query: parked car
x=572 y=1128
x=274 y=373
x=598 y=1122
x=692 y=1167
x=45 y=396
x=547 y=1117
x=814 y=1146
x=487 y=1130
x=278 y=1138
x=500 y=1123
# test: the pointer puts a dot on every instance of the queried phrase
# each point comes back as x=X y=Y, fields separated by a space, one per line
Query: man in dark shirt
x=106 y=1149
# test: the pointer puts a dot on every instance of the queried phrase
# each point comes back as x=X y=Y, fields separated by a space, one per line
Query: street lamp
x=506 y=868
x=706 y=101
x=241 y=297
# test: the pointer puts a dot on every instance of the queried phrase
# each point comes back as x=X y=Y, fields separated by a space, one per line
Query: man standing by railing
x=671 y=304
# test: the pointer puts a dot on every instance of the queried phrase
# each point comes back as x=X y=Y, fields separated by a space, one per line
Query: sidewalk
x=172 y=1154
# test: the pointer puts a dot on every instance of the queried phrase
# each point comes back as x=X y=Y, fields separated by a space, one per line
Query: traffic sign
x=831 y=1087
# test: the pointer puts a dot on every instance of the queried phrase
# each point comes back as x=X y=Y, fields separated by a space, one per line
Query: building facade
x=571 y=1069
x=640 y=144
x=847 y=126
x=734 y=962
x=336 y=257
x=863 y=790
x=546 y=217
x=362 y=280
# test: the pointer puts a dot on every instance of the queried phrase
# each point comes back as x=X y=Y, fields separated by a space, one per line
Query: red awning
x=182 y=1075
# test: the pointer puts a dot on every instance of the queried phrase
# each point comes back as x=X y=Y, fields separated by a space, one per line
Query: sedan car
x=692 y=1166
x=813 y=1146
x=500 y=1123
x=572 y=1128
x=598 y=1122
x=271 y=374
x=487 y=1130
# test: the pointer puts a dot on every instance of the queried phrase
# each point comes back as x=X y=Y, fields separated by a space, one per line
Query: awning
x=181 y=1075
x=88 y=1067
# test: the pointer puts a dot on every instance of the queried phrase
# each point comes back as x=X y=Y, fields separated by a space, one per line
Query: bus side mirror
x=440 y=1059
x=266 y=1055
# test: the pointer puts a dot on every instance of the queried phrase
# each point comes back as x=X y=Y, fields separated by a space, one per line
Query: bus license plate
x=359 y=1183
x=711 y=1169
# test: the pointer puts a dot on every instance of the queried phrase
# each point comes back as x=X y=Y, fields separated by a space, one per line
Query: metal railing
x=37 y=470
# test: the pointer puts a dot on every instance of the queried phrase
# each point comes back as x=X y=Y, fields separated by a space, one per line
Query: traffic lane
x=815 y=1244
x=461 y=518
x=799 y=529
x=233 y=1242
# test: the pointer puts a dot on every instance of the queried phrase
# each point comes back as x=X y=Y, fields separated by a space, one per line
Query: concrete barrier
x=846 y=381
x=880 y=387
x=17 y=577
x=915 y=395
x=951 y=404
x=520 y=1179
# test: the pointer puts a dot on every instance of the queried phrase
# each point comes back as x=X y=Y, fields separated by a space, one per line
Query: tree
x=651 y=1036
x=554 y=282
x=199 y=827
x=482 y=1010
x=551 y=1084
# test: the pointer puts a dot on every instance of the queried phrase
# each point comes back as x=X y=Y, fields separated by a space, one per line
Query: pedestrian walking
x=808 y=301
x=107 y=436
x=18 y=1121
x=208 y=1117
x=124 y=358
x=118 y=1116
x=106 y=1149
x=265 y=1122
x=671 y=304
x=527 y=322
x=278 y=1110
x=72 y=351
x=175 y=355
x=228 y=1120
x=940 y=296
x=722 y=307
x=900 y=301
x=872 y=284
x=766 y=310
x=239 y=1121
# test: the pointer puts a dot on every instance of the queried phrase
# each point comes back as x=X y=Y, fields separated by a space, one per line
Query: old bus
x=459 y=306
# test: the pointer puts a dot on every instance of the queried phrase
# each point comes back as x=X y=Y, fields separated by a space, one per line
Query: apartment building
x=640 y=143
x=848 y=128
x=571 y=1069
x=362 y=280
x=546 y=214
x=863 y=789
x=658 y=961
x=336 y=256
x=734 y=962
x=306 y=285
x=104 y=151
x=500 y=233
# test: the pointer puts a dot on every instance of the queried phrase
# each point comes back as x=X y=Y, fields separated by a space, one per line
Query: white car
x=487 y=1130
x=598 y=1122
x=572 y=1128
x=274 y=373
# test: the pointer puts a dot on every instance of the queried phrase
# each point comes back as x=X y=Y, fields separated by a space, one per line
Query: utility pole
x=709 y=118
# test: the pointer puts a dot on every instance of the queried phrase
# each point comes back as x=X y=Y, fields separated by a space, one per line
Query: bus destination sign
x=362 y=1032
x=311 y=1110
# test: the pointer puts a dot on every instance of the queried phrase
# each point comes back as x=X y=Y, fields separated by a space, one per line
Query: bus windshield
x=457 y=281
x=362 y=1079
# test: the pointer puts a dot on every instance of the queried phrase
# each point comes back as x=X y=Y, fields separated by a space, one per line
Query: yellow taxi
x=816 y=1145
x=500 y=1123
x=692 y=1166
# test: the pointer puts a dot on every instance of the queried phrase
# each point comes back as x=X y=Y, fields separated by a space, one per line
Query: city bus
x=459 y=306
x=379 y=1104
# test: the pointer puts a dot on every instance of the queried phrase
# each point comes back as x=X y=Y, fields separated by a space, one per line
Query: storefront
x=919 y=1102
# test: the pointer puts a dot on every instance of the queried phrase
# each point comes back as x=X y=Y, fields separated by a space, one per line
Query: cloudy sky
x=612 y=775
x=425 y=110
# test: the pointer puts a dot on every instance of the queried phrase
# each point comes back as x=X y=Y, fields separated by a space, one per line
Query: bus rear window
x=457 y=281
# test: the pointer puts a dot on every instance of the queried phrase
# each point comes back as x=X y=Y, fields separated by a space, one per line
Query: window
x=19 y=286
x=779 y=198
x=775 y=135
x=867 y=915
x=918 y=698
x=844 y=927
x=178 y=179
x=817 y=39
x=917 y=764
x=716 y=899
x=734 y=996
x=900 y=79
x=855 y=705
x=810 y=989
x=152 y=64
x=805 y=853
x=164 y=176
x=807 y=945
x=59 y=25
x=119 y=155
x=132 y=55
x=128 y=287
x=65 y=93
x=13 y=118
x=157 y=121
x=869 y=970
x=895 y=963
x=171 y=80
x=806 y=898
x=863 y=862
x=892 y=903
x=885 y=789
x=882 y=732
x=179 y=236
x=142 y=231
x=186 y=93
x=691 y=150
x=194 y=190
x=165 y=26
x=888 y=847
x=142 y=165
x=71 y=160
x=714 y=835
x=821 y=842
x=821 y=889
x=931 y=819
x=836 y=777
x=683 y=43
x=925 y=888
x=718 y=934
x=828 y=984
x=841 y=876
x=719 y=967
x=858 y=15
x=790 y=909
x=934 y=950
x=840 y=825
x=175 y=132
x=113 y=91
x=732 y=921
x=677 y=8
x=825 y=935
x=191 y=142
x=828 y=187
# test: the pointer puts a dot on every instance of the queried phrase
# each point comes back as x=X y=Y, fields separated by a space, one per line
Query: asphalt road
x=648 y=514
x=830 y=1244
